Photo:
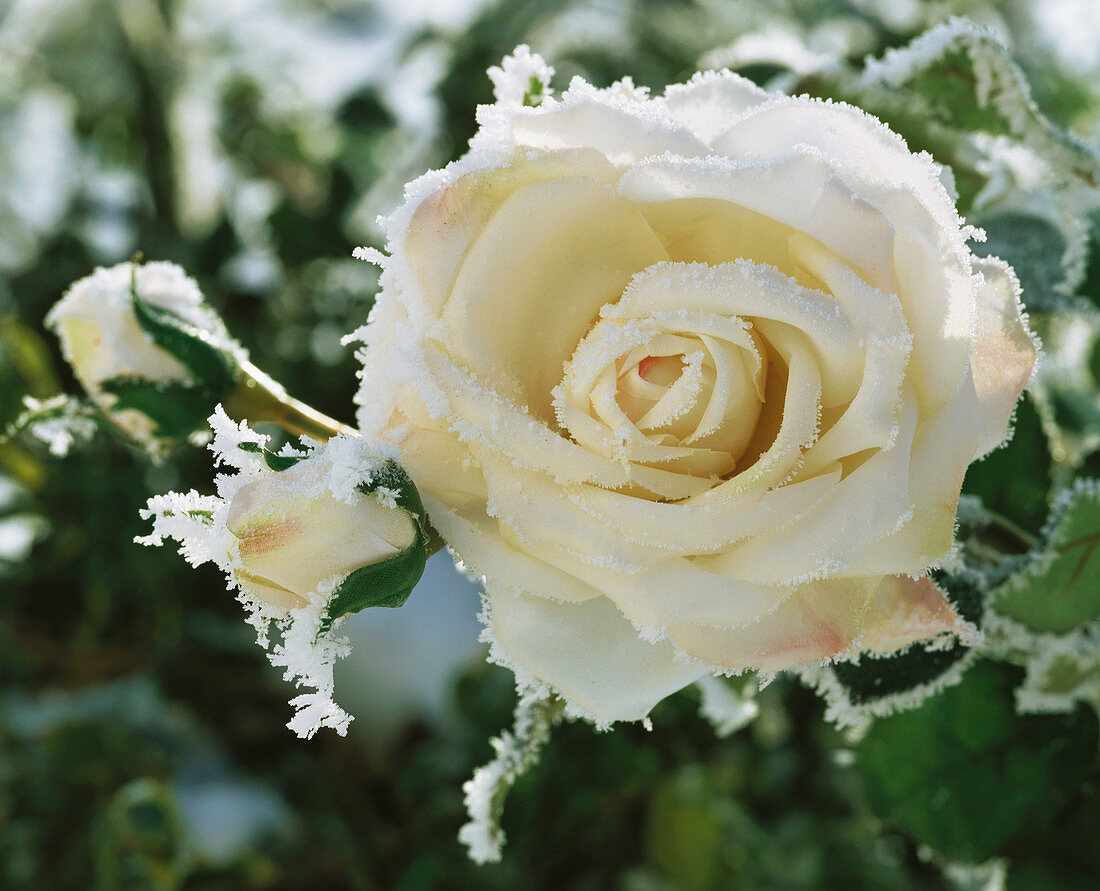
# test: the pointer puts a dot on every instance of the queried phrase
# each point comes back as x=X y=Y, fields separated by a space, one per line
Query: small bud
x=307 y=535
x=292 y=537
x=147 y=349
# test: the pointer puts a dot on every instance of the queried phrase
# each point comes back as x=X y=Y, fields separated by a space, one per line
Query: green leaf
x=948 y=86
x=140 y=839
x=273 y=461
x=535 y=92
x=1036 y=249
x=965 y=774
x=876 y=677
x=1090 y=287
x=212 y=366
x=1060 y=589
x=392 y=476
x=388 y=583
x=177 y=409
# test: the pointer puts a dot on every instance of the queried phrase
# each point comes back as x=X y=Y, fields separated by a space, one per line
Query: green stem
x=259 y=397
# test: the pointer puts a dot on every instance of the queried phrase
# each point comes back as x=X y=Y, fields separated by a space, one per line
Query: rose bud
x=149 y=351
x=307 y=535
x=294 y=537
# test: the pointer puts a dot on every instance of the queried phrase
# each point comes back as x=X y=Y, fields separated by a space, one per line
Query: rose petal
x=1004 y=351
x=482 y=548
x=450 y=218
x=905 y=610
x=942 y=450
x=622 y=131
x=865 y=506
x=497 y=323
x=589 y=653
x=712 y=100
x=815 y=621
x=843 y=132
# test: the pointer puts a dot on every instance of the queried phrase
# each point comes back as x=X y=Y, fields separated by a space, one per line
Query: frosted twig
x=516 y=752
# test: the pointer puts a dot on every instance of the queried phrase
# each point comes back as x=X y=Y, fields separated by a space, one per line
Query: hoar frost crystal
x=690 y=382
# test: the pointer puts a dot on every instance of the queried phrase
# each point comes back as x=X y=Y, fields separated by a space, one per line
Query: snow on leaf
x=727 y=708
x=61 y=422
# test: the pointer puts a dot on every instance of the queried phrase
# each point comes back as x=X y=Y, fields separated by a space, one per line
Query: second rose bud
x=304 y=527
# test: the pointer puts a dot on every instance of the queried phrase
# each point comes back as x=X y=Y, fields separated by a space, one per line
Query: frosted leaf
x=1062 y=671
x=515 y=753
x=61 y=422
x=1057 y=590
x=989 y=876
x=523 y=78
x=999 y=101
x=727 y=709
x=1065 y=389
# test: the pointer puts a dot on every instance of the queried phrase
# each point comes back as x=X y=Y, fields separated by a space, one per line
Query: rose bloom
x=691 y=381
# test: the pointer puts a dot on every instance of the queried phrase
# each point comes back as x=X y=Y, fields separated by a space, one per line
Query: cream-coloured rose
x=155 y=369
x=294 y=535
x=691 y=381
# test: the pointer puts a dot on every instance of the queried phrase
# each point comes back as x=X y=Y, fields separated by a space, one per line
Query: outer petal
x=815 y=621
x=484 y=549
x=589 y=653
x=1004 y=350
x=905 y=610
x=712 y=100
x=850 y=135
x=942 y=450
x=622 y=130
x=449 y=219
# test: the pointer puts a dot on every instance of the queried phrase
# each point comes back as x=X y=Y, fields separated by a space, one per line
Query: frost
x=61 y=422
x=370 y=255
x=515 y=753
x=1062 y=671
x=309 y=654
x=307 y=647
x=989 y=876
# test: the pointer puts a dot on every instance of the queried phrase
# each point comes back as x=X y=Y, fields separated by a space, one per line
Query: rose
x=692 y=381
x=295 y=537
x=146 y=347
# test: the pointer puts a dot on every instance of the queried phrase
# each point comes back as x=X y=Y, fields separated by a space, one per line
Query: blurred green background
x=141 y=730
